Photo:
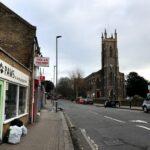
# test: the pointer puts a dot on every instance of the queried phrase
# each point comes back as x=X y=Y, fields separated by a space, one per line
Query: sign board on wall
x=10 y=73
x=41 y=61
x=42 y=78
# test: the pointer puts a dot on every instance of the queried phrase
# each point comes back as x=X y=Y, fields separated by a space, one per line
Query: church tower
x=110 y=66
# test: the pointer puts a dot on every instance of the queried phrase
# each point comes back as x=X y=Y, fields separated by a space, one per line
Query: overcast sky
x=81 y=22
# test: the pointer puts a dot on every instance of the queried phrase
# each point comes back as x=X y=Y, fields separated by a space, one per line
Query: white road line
x=89 y=140
x=138 y=121
x=71 y=125
x=115 y=119
x=143 y=127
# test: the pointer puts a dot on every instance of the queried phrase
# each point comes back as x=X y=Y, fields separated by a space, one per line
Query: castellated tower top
x=113 y=36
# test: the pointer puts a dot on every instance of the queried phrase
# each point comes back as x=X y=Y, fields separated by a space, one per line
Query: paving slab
x=50 y=133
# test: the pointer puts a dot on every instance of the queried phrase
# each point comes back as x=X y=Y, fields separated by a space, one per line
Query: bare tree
x=78 y=84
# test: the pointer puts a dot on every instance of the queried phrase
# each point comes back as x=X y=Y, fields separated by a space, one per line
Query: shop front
x=14 y=97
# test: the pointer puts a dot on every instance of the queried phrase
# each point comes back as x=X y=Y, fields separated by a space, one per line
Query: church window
x=111 y=53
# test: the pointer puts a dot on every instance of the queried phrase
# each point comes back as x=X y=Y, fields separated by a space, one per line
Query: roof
x=17 y=16
x=92 y=74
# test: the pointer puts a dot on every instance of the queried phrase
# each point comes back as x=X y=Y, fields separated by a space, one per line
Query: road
x=111 y=128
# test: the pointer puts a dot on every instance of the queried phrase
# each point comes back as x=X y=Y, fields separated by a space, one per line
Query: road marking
x=71 y=125
x=89 y=140
x=138 y=121
x=143 y=127
x=114 y=119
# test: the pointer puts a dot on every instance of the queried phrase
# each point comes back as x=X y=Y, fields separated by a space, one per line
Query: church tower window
x=111 y=52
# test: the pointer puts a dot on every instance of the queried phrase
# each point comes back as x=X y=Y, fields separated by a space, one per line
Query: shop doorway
x=1 y=108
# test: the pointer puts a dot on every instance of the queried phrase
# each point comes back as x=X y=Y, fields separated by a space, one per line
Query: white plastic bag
x=24 y=130
x=14 y=134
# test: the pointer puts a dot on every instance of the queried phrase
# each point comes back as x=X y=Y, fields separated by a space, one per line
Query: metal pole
x=56 y=68
x=56 y=105
x=57 y=59
x=56 y=62
x=54 y=75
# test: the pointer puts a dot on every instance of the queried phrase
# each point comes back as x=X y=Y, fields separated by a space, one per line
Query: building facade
x=18 y=40
x=107 y=82
x=14 y=91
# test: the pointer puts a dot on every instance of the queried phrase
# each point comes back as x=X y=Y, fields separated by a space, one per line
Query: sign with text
x=41 y=61
x=10 y=73
x=42 y=78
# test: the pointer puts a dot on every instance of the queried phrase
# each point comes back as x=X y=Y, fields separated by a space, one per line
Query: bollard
x=56 y=105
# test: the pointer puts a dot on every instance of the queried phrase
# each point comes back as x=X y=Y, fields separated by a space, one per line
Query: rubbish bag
x=16 y=122
x=14 y=134
x=24 y=130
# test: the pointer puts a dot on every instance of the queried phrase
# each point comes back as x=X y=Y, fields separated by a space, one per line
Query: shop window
x=11 y=101
x=15 y=103
x=22 y=100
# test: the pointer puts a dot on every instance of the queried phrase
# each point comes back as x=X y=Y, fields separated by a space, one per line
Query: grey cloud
x=81 y=22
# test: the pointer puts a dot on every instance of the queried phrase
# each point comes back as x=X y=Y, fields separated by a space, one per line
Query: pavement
x=49 y=133
x=122 y=107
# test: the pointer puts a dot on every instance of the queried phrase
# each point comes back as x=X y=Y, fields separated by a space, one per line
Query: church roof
x=93 y=74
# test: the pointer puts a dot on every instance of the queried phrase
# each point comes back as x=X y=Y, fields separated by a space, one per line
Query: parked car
x=88 y=101
x=80 y=100
x=146 y=104
x=111 y=103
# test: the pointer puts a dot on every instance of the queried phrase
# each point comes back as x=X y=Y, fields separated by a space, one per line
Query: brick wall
x=16 y=36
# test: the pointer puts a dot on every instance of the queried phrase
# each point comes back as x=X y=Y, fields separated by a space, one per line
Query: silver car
x=146 y=104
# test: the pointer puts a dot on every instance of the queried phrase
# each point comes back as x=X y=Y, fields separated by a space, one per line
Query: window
x=22 y=100
x=15 y=103
x=111 y=53
x=11 y=101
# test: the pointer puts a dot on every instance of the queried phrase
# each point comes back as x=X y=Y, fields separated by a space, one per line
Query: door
x=1 y=108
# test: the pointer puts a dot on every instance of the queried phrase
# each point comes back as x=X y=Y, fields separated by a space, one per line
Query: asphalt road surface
x=110 y=128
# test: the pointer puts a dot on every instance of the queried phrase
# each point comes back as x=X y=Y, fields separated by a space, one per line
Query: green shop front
x=14 y=94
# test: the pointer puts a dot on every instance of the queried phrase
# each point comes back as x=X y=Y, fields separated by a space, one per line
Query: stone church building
x=107 y=82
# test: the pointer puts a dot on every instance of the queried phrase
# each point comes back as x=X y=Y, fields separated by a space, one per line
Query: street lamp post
x=57 y=37
x=54 y=75
x=57 y=59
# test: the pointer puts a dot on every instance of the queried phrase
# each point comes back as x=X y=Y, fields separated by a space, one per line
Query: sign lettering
x=10 y=73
